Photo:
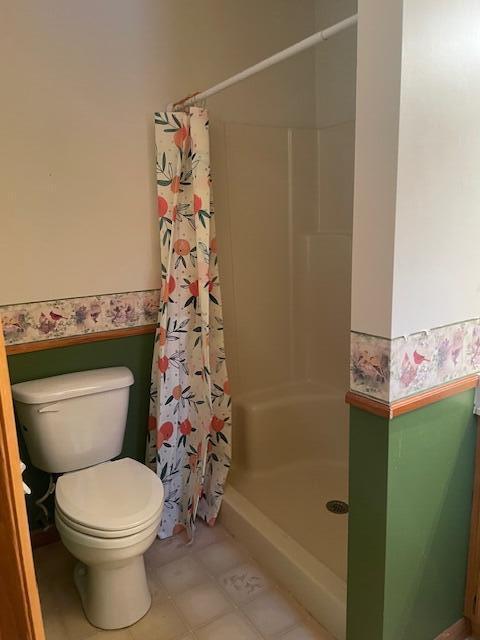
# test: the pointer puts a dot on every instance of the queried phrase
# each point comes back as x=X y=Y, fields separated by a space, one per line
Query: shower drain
x=337 y=506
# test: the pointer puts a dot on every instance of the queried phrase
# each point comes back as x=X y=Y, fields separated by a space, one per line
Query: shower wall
x=267 y=190
x=335 y=72
x=284 y=195
x=264 y=176
x=328 y=256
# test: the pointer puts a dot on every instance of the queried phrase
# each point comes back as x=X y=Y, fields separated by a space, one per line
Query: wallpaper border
x=63 y=318
x=389 y=370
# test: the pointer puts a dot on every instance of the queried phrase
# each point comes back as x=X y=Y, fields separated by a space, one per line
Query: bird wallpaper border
x=392 y=369
x=52 y=319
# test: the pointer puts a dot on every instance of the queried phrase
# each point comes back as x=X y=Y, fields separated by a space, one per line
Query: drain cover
x=337 y=506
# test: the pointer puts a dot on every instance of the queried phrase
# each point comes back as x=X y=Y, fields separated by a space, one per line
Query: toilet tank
x=75 y=420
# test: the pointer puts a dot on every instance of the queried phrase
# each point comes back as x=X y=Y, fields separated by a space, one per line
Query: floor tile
x=306 y=632
x=221 y=556
x=205 y=535
x=271 y=613
x=71 y=613
x=46 y=591
x=53 y=625
x=163 y=551
x=202 y=604
x=182 y=574
x=154 y=582
x=244 y=582
x=120 y=634
x=232 y=626
x=162 y=622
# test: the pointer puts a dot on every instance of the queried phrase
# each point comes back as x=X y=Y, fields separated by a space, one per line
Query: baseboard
x=458 y=631
x=42 y=537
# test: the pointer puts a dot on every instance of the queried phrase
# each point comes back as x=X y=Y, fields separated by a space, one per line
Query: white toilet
x=107 y=513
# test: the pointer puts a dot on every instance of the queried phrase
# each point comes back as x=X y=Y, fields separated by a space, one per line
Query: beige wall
x=79 y=86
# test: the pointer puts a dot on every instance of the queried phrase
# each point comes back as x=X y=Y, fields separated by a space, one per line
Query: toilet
x=107 y=511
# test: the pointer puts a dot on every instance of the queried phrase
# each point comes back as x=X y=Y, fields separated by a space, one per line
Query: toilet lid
x=112 y=496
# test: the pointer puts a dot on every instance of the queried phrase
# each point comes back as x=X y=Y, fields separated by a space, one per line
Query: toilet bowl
x=107 y=513
x=107 y=517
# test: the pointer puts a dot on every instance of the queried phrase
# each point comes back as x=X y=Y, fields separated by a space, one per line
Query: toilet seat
x=101 y=533
x=110 y=500
x=107 y=545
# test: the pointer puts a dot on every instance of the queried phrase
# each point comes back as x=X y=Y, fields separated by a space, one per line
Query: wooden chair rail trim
x=371 y=405
x=84 y=338
x=411 y=403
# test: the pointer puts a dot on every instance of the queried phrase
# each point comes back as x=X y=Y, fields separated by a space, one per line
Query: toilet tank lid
x=72 y=385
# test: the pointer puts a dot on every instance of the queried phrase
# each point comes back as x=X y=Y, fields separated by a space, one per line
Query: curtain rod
x=312 y=40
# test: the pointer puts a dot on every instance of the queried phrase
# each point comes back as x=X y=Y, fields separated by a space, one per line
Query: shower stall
x=286 y=263
x=284 y=201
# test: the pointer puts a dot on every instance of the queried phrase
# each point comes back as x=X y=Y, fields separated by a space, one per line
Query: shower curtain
x=190 y=405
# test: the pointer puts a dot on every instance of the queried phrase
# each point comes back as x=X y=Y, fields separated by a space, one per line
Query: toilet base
x=113 y=595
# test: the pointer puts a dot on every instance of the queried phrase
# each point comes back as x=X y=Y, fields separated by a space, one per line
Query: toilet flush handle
x=51 y=408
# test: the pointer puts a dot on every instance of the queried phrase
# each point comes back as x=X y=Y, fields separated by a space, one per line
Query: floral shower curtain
x=190 y=404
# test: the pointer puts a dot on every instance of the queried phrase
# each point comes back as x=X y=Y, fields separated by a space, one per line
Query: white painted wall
x=80 y=83
x=417 y=191
x=436 y=278
x=376 y=149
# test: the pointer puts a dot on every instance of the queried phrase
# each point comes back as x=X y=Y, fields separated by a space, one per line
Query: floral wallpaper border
x=34 y=321
x=388 y=370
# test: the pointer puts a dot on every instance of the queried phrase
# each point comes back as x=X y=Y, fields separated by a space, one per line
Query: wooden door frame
x=20 y=613
x=472 y=590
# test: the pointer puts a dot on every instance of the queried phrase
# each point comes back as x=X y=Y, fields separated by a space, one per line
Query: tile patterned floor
x=210 y=590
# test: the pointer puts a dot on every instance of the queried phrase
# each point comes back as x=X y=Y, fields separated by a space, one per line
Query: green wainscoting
x=133 y=352
x=411 y=484
x=368 y=473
